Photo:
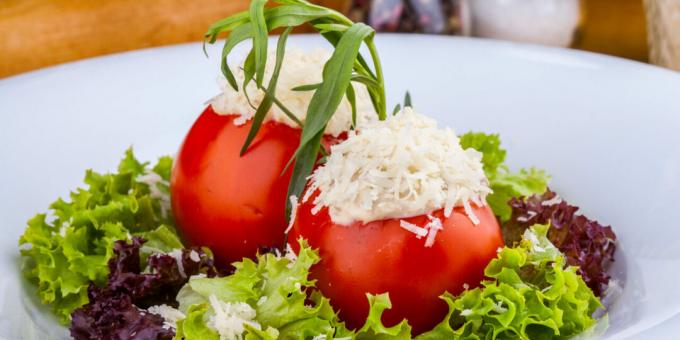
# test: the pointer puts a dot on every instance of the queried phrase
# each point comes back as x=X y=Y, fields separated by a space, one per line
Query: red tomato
x=230 y=203
x=380 y=256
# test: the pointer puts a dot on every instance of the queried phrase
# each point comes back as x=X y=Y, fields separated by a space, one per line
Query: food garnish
x=404 y=166
x=532 y=294
x=124 y=307
x=504 y=183
x=345 y=66
x=70 y=247
x=299 y=69
x=587 y=244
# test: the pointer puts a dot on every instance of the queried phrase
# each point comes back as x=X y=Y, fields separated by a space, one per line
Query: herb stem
x=283 y=108
x=382 y=109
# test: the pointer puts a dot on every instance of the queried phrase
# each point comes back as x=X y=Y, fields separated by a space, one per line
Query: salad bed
x=533 y=288
x=173 y=251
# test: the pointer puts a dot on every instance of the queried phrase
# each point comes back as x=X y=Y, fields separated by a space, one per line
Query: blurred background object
x=414 y=16
x=615 y=27
x=39 y=33
x=663 y=17
x=548 y=22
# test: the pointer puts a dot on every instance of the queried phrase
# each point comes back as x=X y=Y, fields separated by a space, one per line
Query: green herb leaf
x=304 y=163
x=283 y=108
x=238 y=35
x=248 y=74
x=226 y=24
x=352 y=99
x=304 y=88
x=397 y=109
x=295 y=15
x=267 y=102
x=260 y=34
x=323 y=28
x=336 y=77
x=407 y=100
x=369 y=82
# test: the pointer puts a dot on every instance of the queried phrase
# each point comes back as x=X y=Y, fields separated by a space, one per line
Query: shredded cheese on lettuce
x=169 y=314
x=401 y=167
x=300 y=68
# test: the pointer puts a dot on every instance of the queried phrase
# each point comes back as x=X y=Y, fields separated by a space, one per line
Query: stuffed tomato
x=408 y=220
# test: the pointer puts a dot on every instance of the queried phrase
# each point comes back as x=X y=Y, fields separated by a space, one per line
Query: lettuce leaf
x=374 y=328
x=195 y=325
x=115 y=311
x=505 y=184
x=69 y=247
x=275 y=288
x=586 y=243
x=285 y=302
x=532 y=294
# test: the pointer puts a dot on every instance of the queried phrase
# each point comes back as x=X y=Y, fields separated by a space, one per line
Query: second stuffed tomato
x=381 y=256
x=398 y=208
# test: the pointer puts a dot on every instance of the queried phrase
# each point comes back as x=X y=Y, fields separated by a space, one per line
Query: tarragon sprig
x=345 y=66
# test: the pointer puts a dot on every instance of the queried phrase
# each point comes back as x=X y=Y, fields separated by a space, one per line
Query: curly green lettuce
x=505 y=184
x=374 y=328
x=531 y=294
x=69 y=247
x=268 y=298
x=272 y=298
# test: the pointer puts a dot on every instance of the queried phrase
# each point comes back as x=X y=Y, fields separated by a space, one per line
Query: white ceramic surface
x=605 y=128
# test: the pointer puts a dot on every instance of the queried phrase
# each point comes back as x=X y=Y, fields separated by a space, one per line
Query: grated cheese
x=530 y=215
x=290 y=255
x=401 y=167
x=553 y=201
x=193 y=255
x=419 y=231
x=293 y=213
x=177 y=254
x=229 y=318
x=299 y=68
x=433 y=227
x=498 y=307
x=153 y=180
x=169 y=314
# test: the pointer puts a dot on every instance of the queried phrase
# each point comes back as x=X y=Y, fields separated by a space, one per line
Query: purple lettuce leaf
x=116 y=311
x=111 y=315
x=586 y=243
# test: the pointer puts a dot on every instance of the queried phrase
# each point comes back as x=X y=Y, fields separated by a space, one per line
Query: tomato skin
x=232 y=204
x=380 y=256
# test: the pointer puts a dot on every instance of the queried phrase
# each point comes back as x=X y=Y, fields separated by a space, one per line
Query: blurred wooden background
x=39 y=33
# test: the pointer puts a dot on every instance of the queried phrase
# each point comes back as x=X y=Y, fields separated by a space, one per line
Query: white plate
x=605 y=128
